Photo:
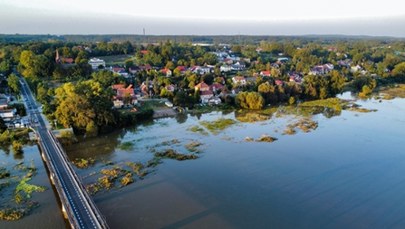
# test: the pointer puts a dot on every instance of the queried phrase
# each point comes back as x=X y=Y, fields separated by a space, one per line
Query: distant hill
x=220 y=39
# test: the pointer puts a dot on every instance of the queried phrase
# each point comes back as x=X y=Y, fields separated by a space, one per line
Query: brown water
x=348 y=173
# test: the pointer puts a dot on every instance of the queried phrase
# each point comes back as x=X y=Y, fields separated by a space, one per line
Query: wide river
x=347 y=173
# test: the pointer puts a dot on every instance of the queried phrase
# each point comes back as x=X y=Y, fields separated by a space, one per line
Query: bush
x=250 y=100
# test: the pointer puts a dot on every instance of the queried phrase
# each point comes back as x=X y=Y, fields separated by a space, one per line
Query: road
x=79 y=206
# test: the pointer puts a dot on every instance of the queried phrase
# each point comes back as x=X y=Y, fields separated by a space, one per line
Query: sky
x=208 y=17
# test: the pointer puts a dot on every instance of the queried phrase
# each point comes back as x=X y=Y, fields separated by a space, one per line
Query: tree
x=337 y=82
x=13 y=83
x=250 y=100
x=3 y=126
x=399 y=69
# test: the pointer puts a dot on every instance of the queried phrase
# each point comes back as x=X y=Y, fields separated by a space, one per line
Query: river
x=347 y=173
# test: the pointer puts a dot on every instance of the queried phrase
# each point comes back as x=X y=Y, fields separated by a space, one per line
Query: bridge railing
x=89 y=201
x=58 y=185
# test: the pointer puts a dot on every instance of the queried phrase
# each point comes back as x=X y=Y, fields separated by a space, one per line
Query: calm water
x=48 y=215
x=348 y=173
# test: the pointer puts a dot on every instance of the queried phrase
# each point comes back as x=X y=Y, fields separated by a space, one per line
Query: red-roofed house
x=117 y=86
x=144 y=52
x=265 y=73
x=216 y=87
x=167 y=72
x=279 y=82
x=202 y=87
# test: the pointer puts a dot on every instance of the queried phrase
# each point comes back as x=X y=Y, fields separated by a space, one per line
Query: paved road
x=79 y=203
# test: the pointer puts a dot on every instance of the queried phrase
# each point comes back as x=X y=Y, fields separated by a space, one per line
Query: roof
x=202 y=85
x=122 y=92
x=238 y=78
x=118 y=86
x=209 y=92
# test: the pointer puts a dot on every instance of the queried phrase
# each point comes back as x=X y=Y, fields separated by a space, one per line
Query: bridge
x=77 y=206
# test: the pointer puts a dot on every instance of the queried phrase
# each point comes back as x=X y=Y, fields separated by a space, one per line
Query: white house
x=95 y=63
x=225 y=68
x=239 y=80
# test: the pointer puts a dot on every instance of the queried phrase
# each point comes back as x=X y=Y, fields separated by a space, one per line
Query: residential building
x=96 y=63
x=239 y=80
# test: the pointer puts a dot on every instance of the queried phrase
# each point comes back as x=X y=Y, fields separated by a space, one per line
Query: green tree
x=3 y=126
x=250 y=100
x=13 y=83
x=399 y=69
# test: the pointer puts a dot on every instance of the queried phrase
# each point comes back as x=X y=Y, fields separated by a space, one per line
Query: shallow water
x=348 y=173
x=48 y=213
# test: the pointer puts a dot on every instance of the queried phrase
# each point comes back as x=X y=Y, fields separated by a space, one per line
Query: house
x=282 y=59
x=145 y=67
x=170 y=88
x=225 y=68
x=120 y=71
x=201 y=69
x=126 y=95
x=295 y=77
x=8 y=114
x=202 y=87
x=214 y=100
x=238 y=66
x=265 y=73
x=239 y=80
x=181 y=69
x=215 y=87
x=144 y=52
x=3 y=103
x=321 y=69
x=279 y=82
x=167 y=72
x=356 y=68
x=344 y=63
x=96 y=63
x=228 y=61
x=206 y=96
x=115 y=87
x=134 y=69
x=63 y=60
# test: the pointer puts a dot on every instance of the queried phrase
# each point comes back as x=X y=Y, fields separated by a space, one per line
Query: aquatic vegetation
x=11 y=214
x=84 y=163
x=289 y=131
x=172 y=154
x=251 y=116
x=127 y=179
x=138 y=168
x=127 y=146
x=332 y=103
x=266 y=138
x=305 y=124
x=249 y=139
x=218 y=125
x=4 y=173
x=397 y=91
x=193 y=146
x=198 y=129
x=154 y=162
x=24 y=188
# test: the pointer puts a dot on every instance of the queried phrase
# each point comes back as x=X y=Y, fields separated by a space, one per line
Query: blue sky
x=254 y=17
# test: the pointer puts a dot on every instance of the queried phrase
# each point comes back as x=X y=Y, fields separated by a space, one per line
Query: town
x=185 y=76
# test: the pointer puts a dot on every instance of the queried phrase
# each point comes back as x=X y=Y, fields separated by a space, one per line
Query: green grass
x=332 y=103
x=198 y=129
x=394 y=92
x=172 y=154
x=115 y=60
x=216 y=126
